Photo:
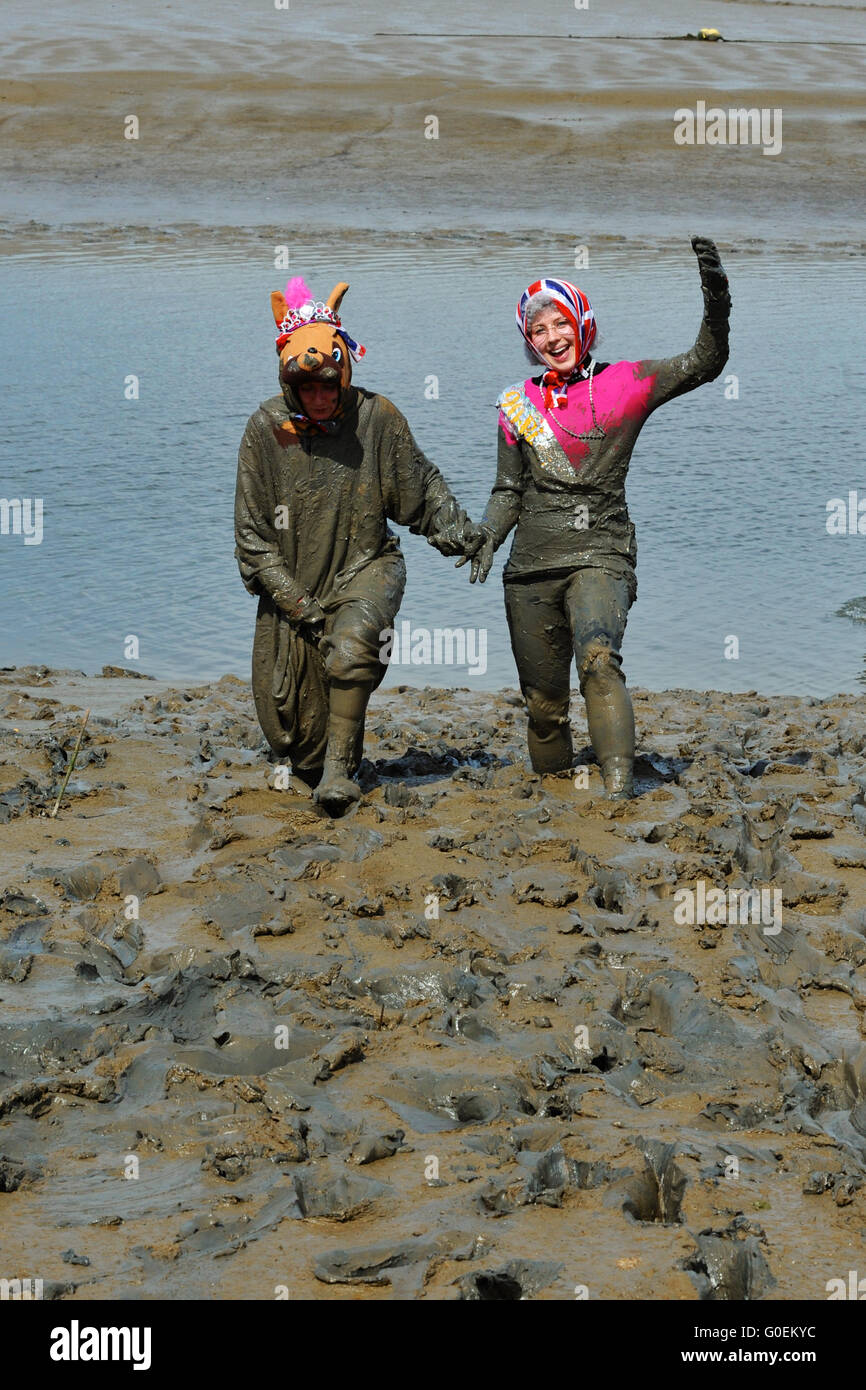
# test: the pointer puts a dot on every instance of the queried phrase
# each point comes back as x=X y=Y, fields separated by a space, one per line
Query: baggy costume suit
x=311 y=527
x=570 y=578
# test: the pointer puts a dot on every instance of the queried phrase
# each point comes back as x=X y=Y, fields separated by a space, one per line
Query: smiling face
x=552 y=335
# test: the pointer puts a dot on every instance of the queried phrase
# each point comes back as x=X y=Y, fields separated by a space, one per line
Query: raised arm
x=257 y=547
x=708 y=354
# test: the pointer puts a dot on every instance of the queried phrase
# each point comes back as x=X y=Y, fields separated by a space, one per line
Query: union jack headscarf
x=579 y=312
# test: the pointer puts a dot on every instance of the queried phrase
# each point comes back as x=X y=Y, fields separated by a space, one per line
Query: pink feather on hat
x=297 y=293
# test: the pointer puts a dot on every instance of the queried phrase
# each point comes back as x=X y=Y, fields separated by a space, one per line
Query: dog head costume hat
x=313 y=345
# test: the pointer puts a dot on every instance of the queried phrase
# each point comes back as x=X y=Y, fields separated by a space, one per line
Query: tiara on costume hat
x=315 y=311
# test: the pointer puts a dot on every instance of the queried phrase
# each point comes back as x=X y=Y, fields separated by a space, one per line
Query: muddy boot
x=358 y=750
x=610 y=718
x=551 y=752
x=548 y=736
x=337 y=791
x=310 y=776
x=618 y=774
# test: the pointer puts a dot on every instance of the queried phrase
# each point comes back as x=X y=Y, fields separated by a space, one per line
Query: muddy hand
x=713 y=277
x=451 y=539
x=310 y=617
x=478 y=547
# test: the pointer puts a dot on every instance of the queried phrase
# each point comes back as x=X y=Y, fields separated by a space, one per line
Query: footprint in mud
x=15 y=1173
x=329 y=1191
x=656 y=1194
x=377 y=1264
x=551 y=1176
x=428 y=1102
x=726 y=1267
x=497 y=1286
x=517 y=1280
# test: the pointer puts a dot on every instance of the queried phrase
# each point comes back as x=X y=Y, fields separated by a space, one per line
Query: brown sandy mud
x=221 y=94
x=461 y=1044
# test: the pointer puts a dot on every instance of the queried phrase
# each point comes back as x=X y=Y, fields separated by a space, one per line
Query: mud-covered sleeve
x=506 y=499
x=673 y=376
x=416 y=495
x=257 y=547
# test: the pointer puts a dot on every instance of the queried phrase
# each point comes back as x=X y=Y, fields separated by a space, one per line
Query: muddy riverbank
x=460 y=1044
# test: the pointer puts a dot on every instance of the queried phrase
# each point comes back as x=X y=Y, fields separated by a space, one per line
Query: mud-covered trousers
x=293 y=666
x=579 y=615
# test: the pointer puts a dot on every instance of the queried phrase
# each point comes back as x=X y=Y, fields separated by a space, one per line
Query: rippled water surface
x=729 y=496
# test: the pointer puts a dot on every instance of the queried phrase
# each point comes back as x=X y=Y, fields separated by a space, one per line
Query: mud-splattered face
x=552 y=335
x=318 y=398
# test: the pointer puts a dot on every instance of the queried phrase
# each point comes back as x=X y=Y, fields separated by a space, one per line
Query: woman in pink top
x=565 y=443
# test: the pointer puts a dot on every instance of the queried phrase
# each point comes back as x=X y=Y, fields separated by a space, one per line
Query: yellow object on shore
x=709 y=34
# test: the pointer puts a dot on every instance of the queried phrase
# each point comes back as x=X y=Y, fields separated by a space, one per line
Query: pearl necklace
x=597 y=432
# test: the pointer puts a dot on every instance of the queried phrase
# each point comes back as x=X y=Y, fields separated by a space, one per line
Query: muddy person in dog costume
x=322 y=468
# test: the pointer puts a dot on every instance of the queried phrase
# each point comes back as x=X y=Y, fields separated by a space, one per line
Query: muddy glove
x=448 y=539
x=714 y=281
x=309 y=615
x=479 y=547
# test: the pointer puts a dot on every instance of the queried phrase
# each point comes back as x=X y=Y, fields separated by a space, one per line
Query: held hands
x=449 y=540
x=478 y=546
x=471 y=542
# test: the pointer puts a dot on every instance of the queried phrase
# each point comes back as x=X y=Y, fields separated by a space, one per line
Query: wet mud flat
x=593 y=93
x=460 y=1044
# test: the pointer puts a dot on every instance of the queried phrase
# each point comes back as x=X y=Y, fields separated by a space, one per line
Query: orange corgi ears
x=279 y=306
x=335 y=298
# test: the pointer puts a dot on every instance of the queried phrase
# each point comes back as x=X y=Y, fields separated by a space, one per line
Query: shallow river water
x=729 y=487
